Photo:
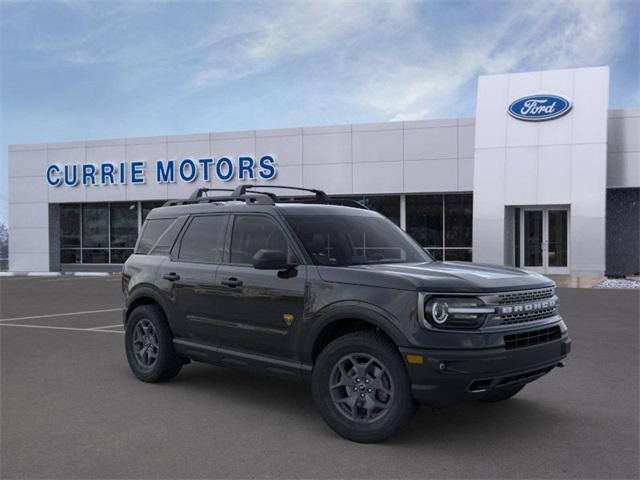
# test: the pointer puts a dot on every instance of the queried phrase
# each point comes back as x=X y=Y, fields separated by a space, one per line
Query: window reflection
x=442 y=223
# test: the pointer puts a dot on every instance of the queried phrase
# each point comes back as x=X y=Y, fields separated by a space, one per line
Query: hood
x=437 y=277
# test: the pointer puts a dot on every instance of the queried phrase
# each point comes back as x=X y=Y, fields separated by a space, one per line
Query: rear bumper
x=448 y=377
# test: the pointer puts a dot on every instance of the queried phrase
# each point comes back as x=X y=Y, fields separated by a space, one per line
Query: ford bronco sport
x=337 y=296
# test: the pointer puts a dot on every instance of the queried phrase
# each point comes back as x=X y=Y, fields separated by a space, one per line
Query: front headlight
x=455 y=312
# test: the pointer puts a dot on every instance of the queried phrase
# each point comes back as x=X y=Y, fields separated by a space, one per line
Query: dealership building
x=545 y=177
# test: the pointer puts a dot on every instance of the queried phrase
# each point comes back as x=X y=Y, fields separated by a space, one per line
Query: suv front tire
x=361 y=387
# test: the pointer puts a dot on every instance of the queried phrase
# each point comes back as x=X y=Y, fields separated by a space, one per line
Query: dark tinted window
x=458 y=219
x=151 y=232
x=168 y=238
x=95 y=226
x=204 y=239
x=252 y=233
x=424 y=219
x=69 y=226
x=340 y=240
x=124 y=225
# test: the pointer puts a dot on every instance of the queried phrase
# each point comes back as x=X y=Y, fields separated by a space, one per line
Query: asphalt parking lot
x=70 y=408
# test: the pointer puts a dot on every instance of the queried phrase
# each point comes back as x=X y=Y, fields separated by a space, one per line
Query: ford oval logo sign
x=536 y=108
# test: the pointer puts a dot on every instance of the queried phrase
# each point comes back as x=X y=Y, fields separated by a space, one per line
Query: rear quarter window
x=152 y=230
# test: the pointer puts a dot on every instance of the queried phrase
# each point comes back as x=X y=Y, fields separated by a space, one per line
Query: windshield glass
x=341 y=240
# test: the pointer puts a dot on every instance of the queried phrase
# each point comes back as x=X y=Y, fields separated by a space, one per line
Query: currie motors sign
x=164 y=171
x=540 y=107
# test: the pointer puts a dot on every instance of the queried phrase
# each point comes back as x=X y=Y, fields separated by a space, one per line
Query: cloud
x=533 y=35
x=401 y=60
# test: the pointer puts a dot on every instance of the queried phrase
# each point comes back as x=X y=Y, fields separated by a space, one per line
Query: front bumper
x=448 y=377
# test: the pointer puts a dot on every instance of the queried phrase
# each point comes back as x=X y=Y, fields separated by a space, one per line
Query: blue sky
x=75 y=70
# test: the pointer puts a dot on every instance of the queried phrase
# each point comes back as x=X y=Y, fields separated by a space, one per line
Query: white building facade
x=545 y=177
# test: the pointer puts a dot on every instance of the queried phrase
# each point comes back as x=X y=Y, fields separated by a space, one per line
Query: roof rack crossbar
x=199 y=193
x=321 y=197
x=260 y=198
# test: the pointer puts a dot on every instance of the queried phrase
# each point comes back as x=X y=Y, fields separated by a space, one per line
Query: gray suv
x=337 y=296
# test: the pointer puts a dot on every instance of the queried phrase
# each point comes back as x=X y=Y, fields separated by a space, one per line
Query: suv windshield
x=342 y=240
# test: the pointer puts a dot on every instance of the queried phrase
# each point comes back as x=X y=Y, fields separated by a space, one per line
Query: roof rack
x=241 y=194
x=321 y=197
x=199 y=193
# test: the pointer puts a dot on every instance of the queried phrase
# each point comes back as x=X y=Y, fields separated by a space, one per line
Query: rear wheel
x=361 y=387
x=149 y=345
x=501 y=394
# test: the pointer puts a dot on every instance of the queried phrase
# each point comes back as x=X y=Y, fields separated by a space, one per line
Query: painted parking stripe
x=48 y=327
x=52 y=315
x=107 y=326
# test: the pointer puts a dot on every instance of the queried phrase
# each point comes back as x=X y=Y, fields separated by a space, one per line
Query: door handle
x=232 y=282
x=172 y=277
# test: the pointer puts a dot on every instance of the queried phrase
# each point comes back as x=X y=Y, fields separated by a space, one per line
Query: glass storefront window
x=442 y=224
x=458 y=211
x=107 y=232
x=436 y=253
x=424 y=219
x=120 y=255
x=69 y=226
x=70 y=255
x=95 y=255
x=457 y=254
x=124 y=224
x=95 y=225
x=100 y=232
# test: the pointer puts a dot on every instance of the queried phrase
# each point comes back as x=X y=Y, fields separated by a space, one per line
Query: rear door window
x=203 y=240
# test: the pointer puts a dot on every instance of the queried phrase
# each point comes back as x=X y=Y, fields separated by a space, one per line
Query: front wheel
x=361 y=387
x=149 y=345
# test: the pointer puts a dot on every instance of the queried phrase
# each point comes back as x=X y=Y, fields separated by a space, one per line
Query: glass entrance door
x=544 y=245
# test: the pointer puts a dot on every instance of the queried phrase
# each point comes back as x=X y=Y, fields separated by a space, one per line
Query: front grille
x=526 y=305
x=528 y=316
x=534 y=337
x=508 y=298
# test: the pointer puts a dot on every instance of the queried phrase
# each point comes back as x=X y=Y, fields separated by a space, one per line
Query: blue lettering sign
x=228 y=166
x=137 y=172
x=51 y=180
x=165 y=173
x=106 y=173
x=189 y=174
x=245 y=168
x=267 y=168
x=88 y=174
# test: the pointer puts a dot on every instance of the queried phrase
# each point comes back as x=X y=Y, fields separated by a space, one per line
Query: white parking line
x=107 y=326
x=88 y=312
x=58 y=328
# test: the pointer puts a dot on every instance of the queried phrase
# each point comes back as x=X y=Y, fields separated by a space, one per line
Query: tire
x=381 y=403
x=148 y=330
x=501 y=394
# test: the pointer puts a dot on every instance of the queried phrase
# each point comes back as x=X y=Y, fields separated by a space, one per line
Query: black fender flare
x=147 y=292
x=354 y=310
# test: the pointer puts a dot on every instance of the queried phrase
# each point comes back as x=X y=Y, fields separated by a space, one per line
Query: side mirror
x=270 y=260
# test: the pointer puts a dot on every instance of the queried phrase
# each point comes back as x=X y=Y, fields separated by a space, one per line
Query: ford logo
x=536 y=108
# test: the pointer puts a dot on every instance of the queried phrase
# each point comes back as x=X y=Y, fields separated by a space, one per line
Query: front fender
x=355 y=310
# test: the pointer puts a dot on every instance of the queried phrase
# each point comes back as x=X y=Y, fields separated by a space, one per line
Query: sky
x=75 y=70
